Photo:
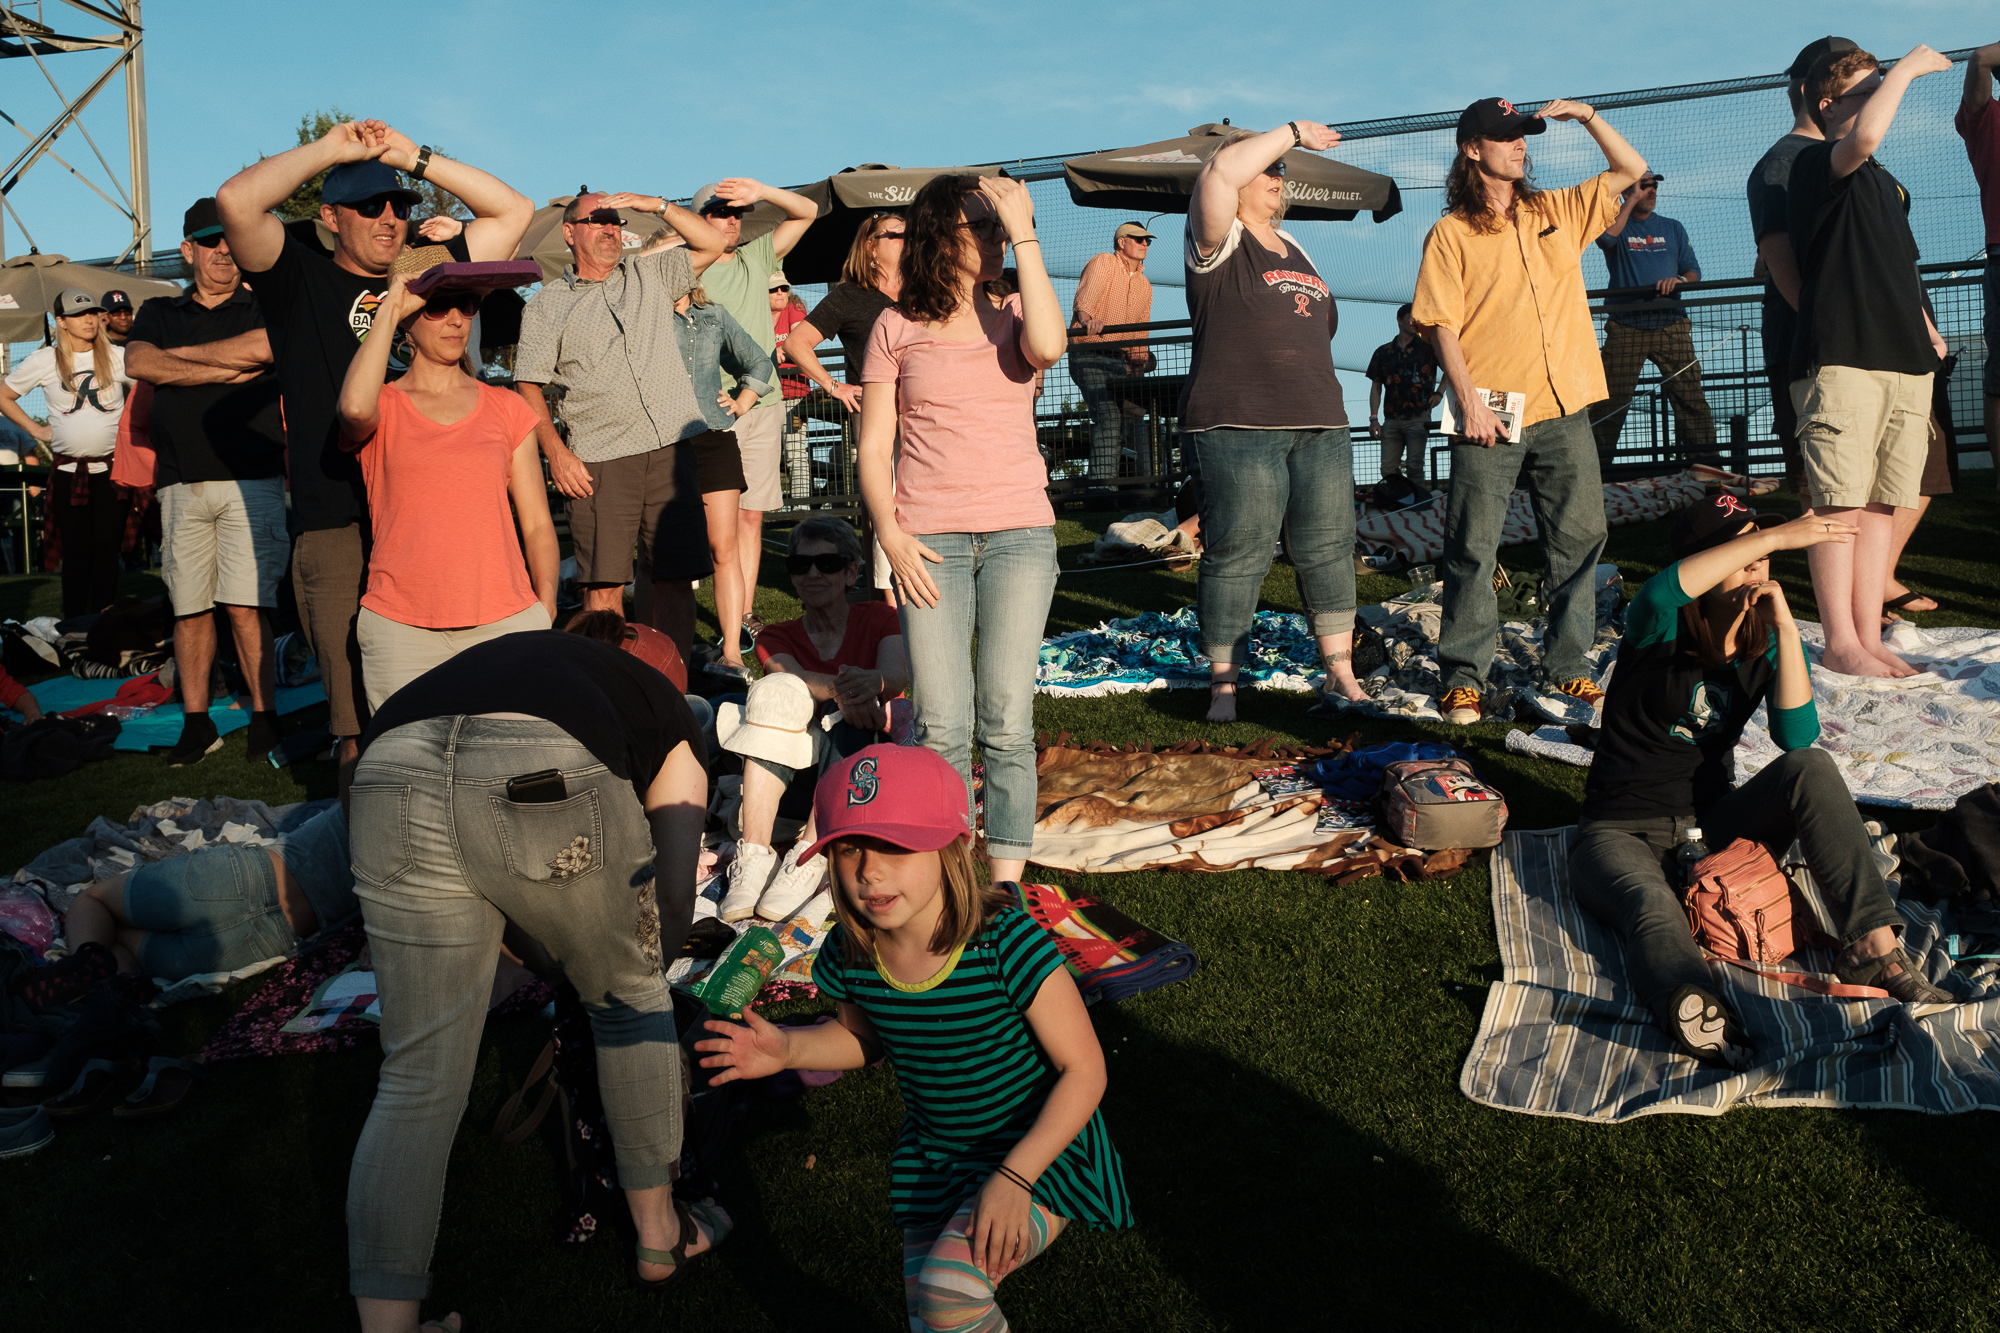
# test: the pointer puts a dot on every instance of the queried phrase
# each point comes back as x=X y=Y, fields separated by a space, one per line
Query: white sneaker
x=748 y=876
x=791 y=887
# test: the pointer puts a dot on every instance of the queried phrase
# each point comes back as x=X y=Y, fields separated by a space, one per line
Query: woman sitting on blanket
x=1706 y=640
x=221 y=908
x=843 y=659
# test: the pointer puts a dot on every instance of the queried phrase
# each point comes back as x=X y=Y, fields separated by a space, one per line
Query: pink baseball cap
x=905 y=795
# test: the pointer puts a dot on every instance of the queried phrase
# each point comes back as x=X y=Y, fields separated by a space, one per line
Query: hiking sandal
x=691 y=1226
x=1705 y=1030
x=1906 y=982
x=168 y=1083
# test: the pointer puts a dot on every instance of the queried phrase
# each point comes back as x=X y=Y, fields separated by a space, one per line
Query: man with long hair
x=1865 y=350
x=1500 y=298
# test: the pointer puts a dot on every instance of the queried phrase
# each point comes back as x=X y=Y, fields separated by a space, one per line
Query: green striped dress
x=974 y=1078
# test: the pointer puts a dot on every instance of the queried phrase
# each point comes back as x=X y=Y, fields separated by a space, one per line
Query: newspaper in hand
x=1507 y=406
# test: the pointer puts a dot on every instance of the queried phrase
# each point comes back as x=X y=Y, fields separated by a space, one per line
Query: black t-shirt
x=210 y=432
x=1263 y=325
x=1671 y=723
x=318 y=313
x=1769 y=191
x=615 y=705
x=848 y=313
x=1860 y=299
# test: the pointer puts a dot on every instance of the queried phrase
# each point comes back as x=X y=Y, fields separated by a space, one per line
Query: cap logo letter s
x=862 y=784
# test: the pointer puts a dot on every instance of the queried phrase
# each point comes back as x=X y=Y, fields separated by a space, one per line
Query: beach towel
x=162 y=726
x=1111 y=956
x=1199 y=807
x=1563 y=1035
x=1417 y=535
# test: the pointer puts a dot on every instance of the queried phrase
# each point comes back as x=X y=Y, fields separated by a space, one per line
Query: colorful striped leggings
x=947 y=1292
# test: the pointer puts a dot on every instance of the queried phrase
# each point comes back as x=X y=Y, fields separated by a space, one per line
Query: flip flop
x=168 y=1083
x=96 y=1086
x=1903 y=603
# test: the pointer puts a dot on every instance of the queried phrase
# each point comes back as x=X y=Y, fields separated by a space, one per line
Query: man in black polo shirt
x=318 y=310
x=1866 y=346
x=220 y=467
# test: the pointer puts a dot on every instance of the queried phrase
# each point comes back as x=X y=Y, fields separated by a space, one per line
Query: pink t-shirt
x=1981 y=132
x=968 y=460
x=446 y=554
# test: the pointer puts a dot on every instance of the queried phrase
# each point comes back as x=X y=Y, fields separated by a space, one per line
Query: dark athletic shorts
x=718 y=460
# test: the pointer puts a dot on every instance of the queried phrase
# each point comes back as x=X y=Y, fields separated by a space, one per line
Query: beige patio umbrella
x=29 y=285
x=1159 y=178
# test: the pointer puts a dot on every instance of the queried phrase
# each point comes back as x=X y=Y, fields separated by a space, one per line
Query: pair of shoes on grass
x=762 y=885
x=199 y=739
x=1462 y=707
x=164 y=1085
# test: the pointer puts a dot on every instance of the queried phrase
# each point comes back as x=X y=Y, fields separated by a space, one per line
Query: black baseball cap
x=1713 y=521
x=201 y=219
x=352 y=182
x=1811 y=51
x=1496 y=118
x=115 y=300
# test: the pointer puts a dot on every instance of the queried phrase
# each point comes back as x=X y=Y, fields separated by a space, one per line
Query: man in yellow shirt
x=1500 y=298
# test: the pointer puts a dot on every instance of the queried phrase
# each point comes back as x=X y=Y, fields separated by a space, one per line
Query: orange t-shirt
x=446 y=554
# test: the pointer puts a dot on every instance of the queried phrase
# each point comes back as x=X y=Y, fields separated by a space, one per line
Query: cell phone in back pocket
x=543 y=788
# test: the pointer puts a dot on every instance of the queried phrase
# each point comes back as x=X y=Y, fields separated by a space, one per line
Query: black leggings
x=91 y=535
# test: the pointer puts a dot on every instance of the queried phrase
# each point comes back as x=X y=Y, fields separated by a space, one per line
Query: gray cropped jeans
x=442 y=862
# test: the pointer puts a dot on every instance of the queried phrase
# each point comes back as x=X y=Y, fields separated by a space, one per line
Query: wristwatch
x=423 y=163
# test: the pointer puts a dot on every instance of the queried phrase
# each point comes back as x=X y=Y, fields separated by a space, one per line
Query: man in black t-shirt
x=318 y=310
x=220 y=475
x=1865 y=349
x=1770 y=229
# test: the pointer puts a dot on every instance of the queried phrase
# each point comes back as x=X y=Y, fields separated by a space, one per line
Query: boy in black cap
x=1500 y=298
x=318 y=310
x=1769 y=229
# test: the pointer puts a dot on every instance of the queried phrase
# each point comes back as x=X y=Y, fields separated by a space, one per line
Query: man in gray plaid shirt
x=603 y=334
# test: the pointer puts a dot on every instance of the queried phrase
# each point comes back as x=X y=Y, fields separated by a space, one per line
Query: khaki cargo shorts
x=1863 y=436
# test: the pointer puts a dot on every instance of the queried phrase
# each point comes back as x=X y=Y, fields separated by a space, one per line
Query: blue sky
x=662 y=97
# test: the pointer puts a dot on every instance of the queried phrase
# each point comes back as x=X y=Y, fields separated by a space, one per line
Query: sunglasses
x=372 y=208
x=208 y=242
x=722 y=211
x=603 y=217
x=465 y=303
x=889 y=235
x=781 y=289
x=826 y=562
x=1138 y=240
x=1276 y=169
x=986 y=228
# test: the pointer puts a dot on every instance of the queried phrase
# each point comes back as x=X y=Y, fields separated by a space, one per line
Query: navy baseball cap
x=1802 y=63
x=352 y=182
x=115 y=300
x=1713 y=521
x=1496 y=118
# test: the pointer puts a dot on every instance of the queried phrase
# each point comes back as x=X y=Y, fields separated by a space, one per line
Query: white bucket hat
x=773 y=722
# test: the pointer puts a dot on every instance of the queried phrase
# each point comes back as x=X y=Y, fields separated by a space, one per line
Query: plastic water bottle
x=1692 y=850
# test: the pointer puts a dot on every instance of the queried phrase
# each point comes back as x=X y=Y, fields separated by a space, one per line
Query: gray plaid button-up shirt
x=611 y=347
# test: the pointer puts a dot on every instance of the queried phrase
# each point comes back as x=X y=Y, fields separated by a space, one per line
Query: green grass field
x=1297 y=1149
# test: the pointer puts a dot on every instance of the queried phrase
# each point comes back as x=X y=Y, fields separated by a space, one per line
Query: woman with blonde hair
x=83 y=382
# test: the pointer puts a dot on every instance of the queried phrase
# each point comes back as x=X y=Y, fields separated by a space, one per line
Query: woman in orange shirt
x=452 y=468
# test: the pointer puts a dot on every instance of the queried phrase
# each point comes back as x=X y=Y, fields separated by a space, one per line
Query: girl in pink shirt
x=452 y=466
x=964 y=519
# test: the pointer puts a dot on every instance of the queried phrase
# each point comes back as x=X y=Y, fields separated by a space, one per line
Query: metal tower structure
x=24 y=38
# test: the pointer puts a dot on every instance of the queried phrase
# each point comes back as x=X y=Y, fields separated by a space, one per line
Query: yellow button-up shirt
x=1515 y=298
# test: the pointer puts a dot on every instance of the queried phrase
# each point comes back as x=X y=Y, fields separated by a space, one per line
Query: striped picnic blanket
x=1564 y=1036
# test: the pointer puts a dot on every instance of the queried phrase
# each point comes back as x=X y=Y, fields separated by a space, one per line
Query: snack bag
x=739 y=974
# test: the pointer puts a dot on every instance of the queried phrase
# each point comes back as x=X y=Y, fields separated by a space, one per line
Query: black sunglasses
x=442 y=304
x=1140 y=240
x=727 y=210
x=372 y=208
x=603 y=217
x=781 y=289
x=1276 y=168
x=208 y=242
x=826 y=562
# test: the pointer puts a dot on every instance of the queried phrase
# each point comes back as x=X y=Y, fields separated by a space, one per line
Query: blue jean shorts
x=213 y=911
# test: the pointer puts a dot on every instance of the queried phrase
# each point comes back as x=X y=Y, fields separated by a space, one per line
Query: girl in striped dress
x=999 y=1067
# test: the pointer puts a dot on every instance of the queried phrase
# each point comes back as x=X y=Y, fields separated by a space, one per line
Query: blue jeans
x=214 y=912
x=442 y=862
x=994 y=588
x=1092 y=372
x=1558 y=460
x=1256 y=485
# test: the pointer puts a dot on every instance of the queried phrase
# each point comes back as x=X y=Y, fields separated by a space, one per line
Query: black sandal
x=1906 y=982
x=677 y=1257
